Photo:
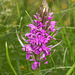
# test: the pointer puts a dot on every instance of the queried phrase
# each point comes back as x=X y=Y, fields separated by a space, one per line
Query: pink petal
x=46 y=22
x=51 y=14
x=49 y=18
x=35 y=16
x=23 y=49
x=37 y=52
x=46 y=62
x=43 y=56
x=27 y=56
x=34 y=66
x=32 y=26
x=32 y=60
x=40 y=49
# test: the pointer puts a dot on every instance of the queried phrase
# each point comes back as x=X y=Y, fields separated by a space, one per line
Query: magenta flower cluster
x=39 y=36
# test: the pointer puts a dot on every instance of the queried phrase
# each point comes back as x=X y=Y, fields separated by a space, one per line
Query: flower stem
x=37 y=72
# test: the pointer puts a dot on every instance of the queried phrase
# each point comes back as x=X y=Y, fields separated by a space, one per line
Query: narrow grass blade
x=64 y=56
x=20 y=22
x=70 y=70
x=23 y=38
x=71 y=51
x=53 y=68
x=28 y=16
x=56 y=44
x=9 y=59
x=54 y=65
x=19 y=39
x=18 y=10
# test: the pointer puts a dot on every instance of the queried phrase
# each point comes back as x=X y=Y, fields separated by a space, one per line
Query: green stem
x=15 y=73
x=37 y=72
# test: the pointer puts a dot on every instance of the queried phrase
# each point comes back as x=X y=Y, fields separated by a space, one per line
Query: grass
x=9 y=59
x=63 y=59
x=71 y=69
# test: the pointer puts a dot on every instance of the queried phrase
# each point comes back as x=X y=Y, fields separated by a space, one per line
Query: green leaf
x=71 y=69
x=18 y=10
x=9 y=59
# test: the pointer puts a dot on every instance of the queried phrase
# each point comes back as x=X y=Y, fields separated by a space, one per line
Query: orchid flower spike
x=39 y=36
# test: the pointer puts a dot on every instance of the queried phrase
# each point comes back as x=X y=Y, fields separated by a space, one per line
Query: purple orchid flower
x=39 y=36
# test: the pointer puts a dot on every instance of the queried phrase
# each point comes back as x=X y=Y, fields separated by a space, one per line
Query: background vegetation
x=15 y=13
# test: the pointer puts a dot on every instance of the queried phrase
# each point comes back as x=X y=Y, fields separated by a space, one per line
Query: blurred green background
x=12 y=15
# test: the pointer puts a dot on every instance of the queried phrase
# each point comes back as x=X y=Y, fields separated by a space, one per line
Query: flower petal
x=34 y=66
x=46 y=62
x=27 y=56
